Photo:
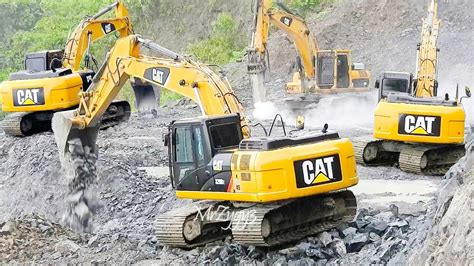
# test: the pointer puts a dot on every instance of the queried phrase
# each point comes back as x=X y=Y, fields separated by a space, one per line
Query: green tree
x=224 y=44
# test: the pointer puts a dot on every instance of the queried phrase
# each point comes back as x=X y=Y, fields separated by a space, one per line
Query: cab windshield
x=394 y=86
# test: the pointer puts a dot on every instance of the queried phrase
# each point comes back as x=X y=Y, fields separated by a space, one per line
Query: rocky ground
x=32 y=191
x=401 y=217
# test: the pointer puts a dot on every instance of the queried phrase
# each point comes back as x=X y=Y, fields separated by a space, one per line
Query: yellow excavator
x=52 y=80
x=413 y=128
x=292 y=186
x=319 y=72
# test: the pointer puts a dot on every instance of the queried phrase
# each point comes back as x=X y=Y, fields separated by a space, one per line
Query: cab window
x=225 y=136
x=394 y=85
x=183 y=147
x=199 y=146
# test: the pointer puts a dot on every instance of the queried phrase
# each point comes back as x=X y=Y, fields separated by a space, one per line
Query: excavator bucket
x=64 y=133
x=147 y=96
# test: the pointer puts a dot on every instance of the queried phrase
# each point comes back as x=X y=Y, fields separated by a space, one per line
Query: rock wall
x=451 y=240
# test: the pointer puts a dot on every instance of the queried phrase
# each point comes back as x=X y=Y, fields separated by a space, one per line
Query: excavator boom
x=124 y=61
x=427 y=59
x=295 y=28
x=93 y=29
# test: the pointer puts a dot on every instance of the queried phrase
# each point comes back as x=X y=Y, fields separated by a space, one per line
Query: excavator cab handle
x=468 y=93
x=166 y=139
x=325 y=128
x=300 y=122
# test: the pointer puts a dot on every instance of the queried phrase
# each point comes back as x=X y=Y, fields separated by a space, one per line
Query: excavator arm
x=93 y=29
x=175 y=73
x=296 y=29
x=298 y=32
x=426 y=79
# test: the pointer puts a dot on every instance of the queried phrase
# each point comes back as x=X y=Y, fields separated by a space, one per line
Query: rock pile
x=33 y=238
x=373 y=237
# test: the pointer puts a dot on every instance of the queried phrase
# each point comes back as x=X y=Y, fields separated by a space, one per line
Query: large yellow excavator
x=424 y=134
x=319 y=71
x=291 y=186
x=52 y=80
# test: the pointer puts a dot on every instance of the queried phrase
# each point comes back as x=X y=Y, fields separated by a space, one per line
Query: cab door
x=191 y=158
x=343 y=79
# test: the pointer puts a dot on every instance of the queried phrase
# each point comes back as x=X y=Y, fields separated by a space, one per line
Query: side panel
x=419 y=123
x=40 y=94
x=360 y=78
x=266 y=176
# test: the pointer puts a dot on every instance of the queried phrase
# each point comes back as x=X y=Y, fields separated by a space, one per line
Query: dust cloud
x=343 y=111
x=448 y=83
x=338 y=111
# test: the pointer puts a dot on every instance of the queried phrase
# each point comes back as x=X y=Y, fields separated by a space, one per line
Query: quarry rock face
x=451 y=238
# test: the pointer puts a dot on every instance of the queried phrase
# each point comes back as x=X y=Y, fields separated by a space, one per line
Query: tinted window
x=394 y=85
x=183 y=147
x=35 y=64
x=199 y=145
x=226 y=135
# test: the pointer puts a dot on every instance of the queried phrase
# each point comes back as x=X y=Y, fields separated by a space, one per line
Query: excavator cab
x=194 y=143
x=43 y=61
x=335 y=69
x=394 y=82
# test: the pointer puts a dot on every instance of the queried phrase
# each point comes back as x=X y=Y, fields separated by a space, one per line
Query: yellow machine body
x=419 y=123
x=46 y=94
x=342 y=78
x=266 y=176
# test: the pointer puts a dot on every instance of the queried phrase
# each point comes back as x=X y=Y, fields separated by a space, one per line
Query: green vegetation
x=304 y=7
x=225 y=44
x=35 y=25
x=44 y=25
x=169 y=96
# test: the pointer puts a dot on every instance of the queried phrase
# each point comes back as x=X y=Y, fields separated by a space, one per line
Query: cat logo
x=158 y=75
x=25 y=97
x=287 y=21
x=217 y=165
x=419 y=125
x=108 y=28
x=317 y=171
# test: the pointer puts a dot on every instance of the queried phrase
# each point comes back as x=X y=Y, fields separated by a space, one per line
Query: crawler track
x=23 y=124
x=171 y=226
x=260 y=232
x=429 y=160
x=422 y=159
